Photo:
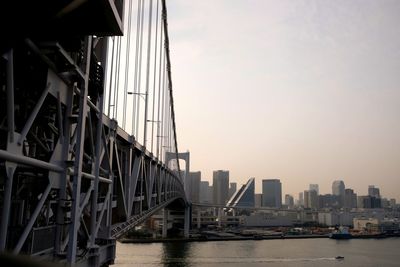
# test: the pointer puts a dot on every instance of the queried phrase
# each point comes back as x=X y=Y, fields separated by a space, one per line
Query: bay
x=256 y=253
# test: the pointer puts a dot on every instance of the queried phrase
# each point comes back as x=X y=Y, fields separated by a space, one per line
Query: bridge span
x=81 y=160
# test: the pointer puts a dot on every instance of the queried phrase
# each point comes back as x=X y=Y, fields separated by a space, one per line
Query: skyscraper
x=310 y=199
x=194 y=186
x=314 y=187
x=350 y=199
x=301 y=199
x=206 y=192
x=289 y=202
x=373 y=191
x=220 y=187
x=338 y=190
x=244 y=197
x=272 y=193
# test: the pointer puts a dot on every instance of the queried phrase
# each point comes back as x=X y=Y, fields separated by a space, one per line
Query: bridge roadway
x=72 y=179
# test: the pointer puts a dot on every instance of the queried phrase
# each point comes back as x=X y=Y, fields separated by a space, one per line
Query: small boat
x=339 y=257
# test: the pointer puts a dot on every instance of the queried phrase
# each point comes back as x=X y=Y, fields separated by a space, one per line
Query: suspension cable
x=128 y=48
x=147 y=74
x=154 y=80
x=136 y=66
x=166 y=40
x=160 y=80
x=139 y=72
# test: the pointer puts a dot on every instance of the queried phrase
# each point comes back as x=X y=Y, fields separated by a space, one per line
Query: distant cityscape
x=270 y=208
x=341 y=197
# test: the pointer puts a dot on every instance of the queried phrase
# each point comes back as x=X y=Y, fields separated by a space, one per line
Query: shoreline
x=240 y=238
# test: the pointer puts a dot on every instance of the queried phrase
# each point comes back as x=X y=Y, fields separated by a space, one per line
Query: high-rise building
x=272 y=193
x=232 y=189
x=244 y=197
x=206 y=192
x=368 y=202
x=301 y=199
x=314 y=187
x=310 y=199
x=289 y=202
x=194 y=186
x=326 y=201
x=220 y=187
x=350 y=199
x=313 y=199
x=373 y=191
x=258 y=200
x=338 y=190
x=307 y=199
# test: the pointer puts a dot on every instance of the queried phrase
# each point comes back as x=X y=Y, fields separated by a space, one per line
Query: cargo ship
x=341 y=233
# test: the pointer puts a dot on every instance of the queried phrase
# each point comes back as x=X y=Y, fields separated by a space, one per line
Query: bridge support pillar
x=165 y=223
x=187 y=222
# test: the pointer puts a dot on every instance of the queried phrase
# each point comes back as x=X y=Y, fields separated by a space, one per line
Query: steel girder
x=72 y=180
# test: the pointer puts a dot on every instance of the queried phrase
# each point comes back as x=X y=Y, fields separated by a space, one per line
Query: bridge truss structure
x=72 y=179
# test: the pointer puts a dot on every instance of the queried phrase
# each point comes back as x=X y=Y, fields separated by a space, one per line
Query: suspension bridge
x=88 y=140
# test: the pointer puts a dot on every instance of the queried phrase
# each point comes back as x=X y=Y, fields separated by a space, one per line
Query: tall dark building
x=194 y=186
x=338 y=190
x=373 y=191
x=272 y=193
x=350 y=199
x=220 y=187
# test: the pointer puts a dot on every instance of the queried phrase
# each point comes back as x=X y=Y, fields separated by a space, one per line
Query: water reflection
x=176 y=254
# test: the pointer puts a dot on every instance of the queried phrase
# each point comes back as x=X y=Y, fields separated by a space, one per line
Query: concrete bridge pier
x=165 y=223
x=186 y=227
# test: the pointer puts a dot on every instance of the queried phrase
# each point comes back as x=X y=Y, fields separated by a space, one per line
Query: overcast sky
x=304 y=91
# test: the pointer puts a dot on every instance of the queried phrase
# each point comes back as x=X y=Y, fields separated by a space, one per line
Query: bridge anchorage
x=73 y=179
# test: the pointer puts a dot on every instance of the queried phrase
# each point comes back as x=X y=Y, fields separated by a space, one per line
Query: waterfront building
x=267 y=219
x=314 y=187
x=338 y=190
x=271 y=193
x=244 y=197
x=365 y=224
x=206 y=192
x=220 y=187
x=334 y=218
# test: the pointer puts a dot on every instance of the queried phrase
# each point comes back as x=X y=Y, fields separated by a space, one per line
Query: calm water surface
x=290 y=253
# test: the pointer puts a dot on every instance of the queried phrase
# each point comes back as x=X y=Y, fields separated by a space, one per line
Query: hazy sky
x=304 y=91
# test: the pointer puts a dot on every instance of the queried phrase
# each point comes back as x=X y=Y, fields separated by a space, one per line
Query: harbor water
x=257 y=253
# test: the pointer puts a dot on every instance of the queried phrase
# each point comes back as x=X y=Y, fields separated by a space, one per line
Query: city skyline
x=364 y=192
x=306 y=92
